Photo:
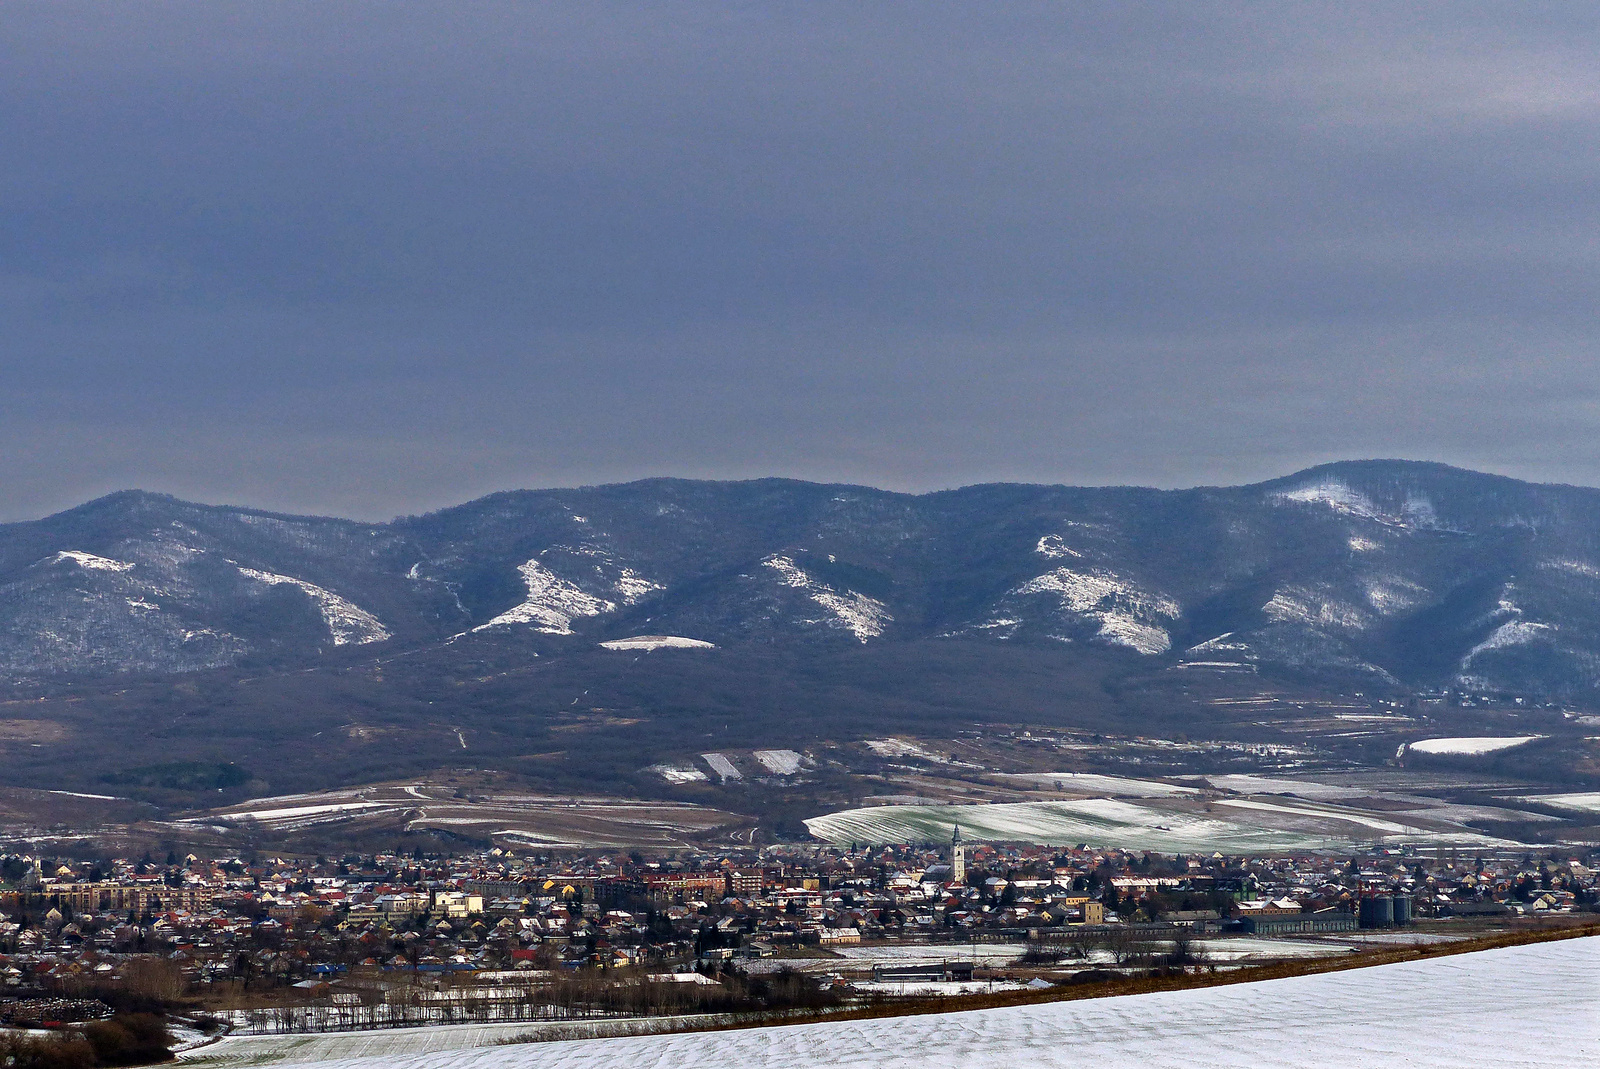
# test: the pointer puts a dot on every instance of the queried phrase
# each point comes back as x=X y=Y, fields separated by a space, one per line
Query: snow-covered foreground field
x=369 y=1046
x=1522 y=1006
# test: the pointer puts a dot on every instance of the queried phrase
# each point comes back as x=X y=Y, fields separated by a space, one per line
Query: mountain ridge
x=1401 y=573
x=1326 y=466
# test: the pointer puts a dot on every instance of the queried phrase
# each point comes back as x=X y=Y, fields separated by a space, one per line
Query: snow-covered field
x=526 y=818
x=781 y=762
x=1406 y=937
x=1472 y=745
x=1300 y=788
x=291 y=813
x=858 y=960
x=1250 y=948
x=368 y=1048
x=902 y=748
x=1092 y=783
x=1584 y=802
x=674 y=774
x=658 y=642
x=1175 y=825
x=1530 y=1006
x=722 y=765
x=943 y=988
x=1221 y=950
x=933 y=954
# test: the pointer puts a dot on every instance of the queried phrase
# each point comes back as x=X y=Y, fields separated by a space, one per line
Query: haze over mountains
x=1395 y=572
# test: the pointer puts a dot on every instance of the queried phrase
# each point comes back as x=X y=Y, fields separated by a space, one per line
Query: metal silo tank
x=1402 y=910
x=1383 y=910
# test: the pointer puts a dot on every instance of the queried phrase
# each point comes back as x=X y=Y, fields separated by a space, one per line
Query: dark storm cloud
x=374 y=258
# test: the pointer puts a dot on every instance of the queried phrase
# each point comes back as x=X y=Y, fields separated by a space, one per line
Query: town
x=271 y=945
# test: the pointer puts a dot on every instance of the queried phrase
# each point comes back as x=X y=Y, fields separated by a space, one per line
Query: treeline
x=589 y=993
x=126 y=1039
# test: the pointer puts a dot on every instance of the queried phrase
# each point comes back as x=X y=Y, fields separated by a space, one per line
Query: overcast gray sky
x=369 y=259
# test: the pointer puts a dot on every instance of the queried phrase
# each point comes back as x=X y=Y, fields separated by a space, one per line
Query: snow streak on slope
x=1422 y=1014
x=1341 y=497
x=1301 y=605
x=1127 y=615
x=554 y=601
x=1511 y=633
x=90 y=561
x=349 y=624
x=1337 y=495
x=1053 y=547
x=1575 y=567
x=862 y=616
x=1391 y=594
x=82 y=612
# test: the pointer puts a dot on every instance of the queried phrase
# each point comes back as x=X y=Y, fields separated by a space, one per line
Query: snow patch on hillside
x=632 y=587
x=1053 y=547
x=1128 y=615
x=1418 y=511
x=1336 y=494
x=552 y=602
x=627 y=585
x=1085 y=592
x=1120 y=629
x=89 y=561
x=1008 y=624
x=1341 y=497
x=862 y=616
x=1510 y=633
x=1224 y=643
x=1391 y=594
x=1576 y=567
x=1301 y=605
x=348 y=624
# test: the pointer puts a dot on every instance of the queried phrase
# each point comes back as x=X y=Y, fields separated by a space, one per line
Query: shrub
x=129 y=1039
x=60 y=1051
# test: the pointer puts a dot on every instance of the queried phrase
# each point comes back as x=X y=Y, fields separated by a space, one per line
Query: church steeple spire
x=958 y=858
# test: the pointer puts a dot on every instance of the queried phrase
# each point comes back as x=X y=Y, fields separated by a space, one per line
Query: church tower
x=958 y=858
